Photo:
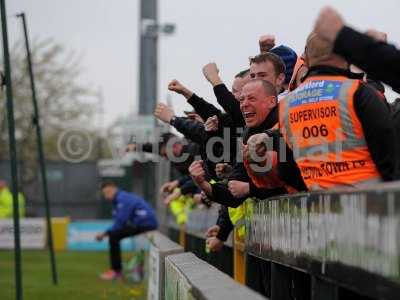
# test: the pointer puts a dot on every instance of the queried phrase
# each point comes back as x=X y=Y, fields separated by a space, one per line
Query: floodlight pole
x=148 y=56
x=36 y=121
x=13 y=153
x=150 y=31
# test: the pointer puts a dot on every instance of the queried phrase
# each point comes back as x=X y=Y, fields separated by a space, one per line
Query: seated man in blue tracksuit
x=132 y=215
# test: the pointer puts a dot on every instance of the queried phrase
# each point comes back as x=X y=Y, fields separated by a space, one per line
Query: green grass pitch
x=78 y=277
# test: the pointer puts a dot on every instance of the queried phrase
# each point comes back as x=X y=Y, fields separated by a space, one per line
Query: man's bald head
x=319 y=52
x=257 y=99
x=267 y=87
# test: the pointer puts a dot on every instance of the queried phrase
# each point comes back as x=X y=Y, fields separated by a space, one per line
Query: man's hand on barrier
x=164 y=113
x=211 y=124
x=100 y=236
x=214 y=244
x=168 y=187
x=239 y=189
x=177 y=87
x=328 y=24
x=213 y=231
x=211 y=73
x=266 y=42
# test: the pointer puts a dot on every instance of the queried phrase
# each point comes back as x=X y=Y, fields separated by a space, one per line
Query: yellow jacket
x=6 y=204
x=239 y=214
x=180 y=208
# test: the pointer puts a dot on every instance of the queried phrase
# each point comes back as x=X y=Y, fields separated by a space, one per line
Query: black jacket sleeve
x=379 y=131
x=221 y=193
x=192 y=130
x=202 y=107
x=379 y=60
x=229 y=103
x=183 y=179
x=189 y=187
x=263 y=194
x=224 y=223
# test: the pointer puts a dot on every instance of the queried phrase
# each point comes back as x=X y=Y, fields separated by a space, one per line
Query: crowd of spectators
x=290 y=122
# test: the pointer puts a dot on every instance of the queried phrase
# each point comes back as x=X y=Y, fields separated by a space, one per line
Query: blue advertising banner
x=81 y=237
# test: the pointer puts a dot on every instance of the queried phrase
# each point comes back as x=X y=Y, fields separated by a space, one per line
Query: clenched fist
x=377 y=35
x=266 y=42
x=258 y=145
x=168 y=187
x=260 y=154
x=197 y=172
x=164 y=113
x=239 y=189
x=211 y=73
x=214 y=244
x=213 y=231
x=328 y=24
x=177 y=87
x=211 y=124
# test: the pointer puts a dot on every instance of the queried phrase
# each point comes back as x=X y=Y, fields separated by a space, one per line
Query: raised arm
x=224 y=97
x=201 y=106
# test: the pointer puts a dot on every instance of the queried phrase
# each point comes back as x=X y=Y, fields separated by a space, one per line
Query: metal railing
x=331 y=245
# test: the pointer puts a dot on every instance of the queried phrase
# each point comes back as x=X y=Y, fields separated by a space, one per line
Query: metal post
x=36 y=121
x=148 y=56
x=148 y=71
x=13 y=153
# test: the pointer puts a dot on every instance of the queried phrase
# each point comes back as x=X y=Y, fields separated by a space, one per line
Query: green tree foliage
x=63 y=99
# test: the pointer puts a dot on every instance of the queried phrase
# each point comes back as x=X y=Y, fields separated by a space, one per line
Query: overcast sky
x=224 y=31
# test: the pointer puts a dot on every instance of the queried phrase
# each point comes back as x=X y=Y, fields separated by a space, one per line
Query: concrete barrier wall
x=160 y=248
x=188 y=277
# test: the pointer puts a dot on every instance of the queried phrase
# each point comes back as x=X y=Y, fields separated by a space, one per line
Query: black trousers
x=114 y=238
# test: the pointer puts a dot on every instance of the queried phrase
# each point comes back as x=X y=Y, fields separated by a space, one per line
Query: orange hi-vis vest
x=320 y=125
x=267 y=179
x=261 y=180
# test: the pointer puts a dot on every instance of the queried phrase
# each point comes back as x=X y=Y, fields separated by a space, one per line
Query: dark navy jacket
x=130 y=209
